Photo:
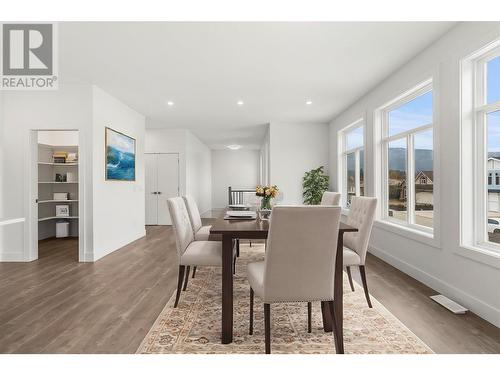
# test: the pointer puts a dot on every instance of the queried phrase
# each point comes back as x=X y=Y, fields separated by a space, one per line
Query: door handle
x=158 y=192
x=154 y=192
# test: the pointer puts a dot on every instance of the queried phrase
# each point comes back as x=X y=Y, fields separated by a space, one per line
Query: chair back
x=181 y=224
x=361 y=215
x=300 y=254
x=193 y=212
x=330 y=198
x=239 y=196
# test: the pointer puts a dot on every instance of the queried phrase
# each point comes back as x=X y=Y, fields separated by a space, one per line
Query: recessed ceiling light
x=170 y=103
x=240 y=102
x=309 y=102
x=234 y=147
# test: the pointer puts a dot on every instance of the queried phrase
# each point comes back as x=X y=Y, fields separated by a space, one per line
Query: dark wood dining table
x=232 y=230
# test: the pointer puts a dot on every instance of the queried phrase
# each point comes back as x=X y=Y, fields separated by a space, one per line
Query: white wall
x=69 y=107
x=472 y=280
x=238 y=168
x=294 y=150
x=199 y=172
x=265 y=160
x=58 y=138
x=119 y=206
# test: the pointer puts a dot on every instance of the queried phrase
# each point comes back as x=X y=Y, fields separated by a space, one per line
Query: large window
x=408 y=171
x=352 y=163
x=487 y=118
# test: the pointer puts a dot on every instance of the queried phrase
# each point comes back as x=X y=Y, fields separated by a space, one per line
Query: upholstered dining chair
x=300 y=260
x=361 y=215
x=201 y=233
x=190 y=252
x=330 y=198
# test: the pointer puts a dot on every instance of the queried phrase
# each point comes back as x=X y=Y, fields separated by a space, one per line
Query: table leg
x=227 y=289
x=338 y=302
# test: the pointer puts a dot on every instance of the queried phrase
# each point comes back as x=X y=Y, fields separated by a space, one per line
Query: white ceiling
x=205 y=68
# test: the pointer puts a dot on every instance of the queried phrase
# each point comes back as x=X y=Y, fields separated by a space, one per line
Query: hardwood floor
x=57 y=305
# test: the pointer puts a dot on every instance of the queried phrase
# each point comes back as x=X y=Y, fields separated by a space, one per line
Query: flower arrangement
x=267 y=193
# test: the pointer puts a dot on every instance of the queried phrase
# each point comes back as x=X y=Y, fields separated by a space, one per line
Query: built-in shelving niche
x=47 y=186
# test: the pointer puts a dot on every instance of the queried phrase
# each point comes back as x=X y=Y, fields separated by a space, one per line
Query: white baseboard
x=12 y=257
x=126 y=242
x=484 y=310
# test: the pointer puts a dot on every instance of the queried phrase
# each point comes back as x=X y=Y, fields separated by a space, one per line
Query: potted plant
x=315 y=183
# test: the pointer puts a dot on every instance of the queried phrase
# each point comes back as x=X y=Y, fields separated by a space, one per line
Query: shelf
x=58 y=201
x=58 y=164
x=57 y=217
x=54 y=182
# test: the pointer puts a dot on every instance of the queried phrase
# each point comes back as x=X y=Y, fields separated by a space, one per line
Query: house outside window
x=352 y=160
x=408 y=157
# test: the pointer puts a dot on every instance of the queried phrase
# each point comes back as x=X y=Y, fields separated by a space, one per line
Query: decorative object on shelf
x=60 y=157
x=267 y=193
x=72 y=157
x=315 y=183
x=62 y=210
x=61 y=177
x=61 y=196
x=70 y=177
x=120 y=156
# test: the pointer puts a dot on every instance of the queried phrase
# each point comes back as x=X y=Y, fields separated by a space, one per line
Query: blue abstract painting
x=120 y=156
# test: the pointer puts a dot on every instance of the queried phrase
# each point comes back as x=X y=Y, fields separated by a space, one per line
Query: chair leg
x=179 y=284
x=194 y=271
x=187 y=278
x=234 y=266
x=348 y=269
x=267 y=324
x=309 y=314
x=365 y=285
x=238 y=248
x=339 y=348
x=250 y=330
x=250 y=243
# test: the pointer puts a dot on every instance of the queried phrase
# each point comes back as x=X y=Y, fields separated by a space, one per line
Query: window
x=487 y=121
x=352 y=163
x=407 y=144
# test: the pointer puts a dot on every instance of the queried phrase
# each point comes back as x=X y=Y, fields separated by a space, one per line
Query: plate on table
x=240 y=215
x=239 y=207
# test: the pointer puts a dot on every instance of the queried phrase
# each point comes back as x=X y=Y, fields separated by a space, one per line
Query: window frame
x=418 y=90
x=480 y=111
x=343 y=185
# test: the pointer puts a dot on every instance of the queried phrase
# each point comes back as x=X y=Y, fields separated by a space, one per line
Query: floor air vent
x=454 y=307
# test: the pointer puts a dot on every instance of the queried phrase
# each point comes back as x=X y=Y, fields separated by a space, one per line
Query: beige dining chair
x=361 y=216
x=201 y=233
x=190 y=252
x=300 y=261
x=330 y=198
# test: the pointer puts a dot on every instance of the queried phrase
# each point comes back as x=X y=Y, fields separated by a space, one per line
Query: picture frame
x=120 y=156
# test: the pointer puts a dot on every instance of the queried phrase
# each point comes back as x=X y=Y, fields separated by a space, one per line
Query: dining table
x=232 y=231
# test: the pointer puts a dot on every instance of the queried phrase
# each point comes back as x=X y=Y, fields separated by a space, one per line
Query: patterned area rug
x=194 y=326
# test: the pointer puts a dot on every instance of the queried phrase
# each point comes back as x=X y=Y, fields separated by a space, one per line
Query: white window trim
x=473 y=141
x=427 y=234
x=342 y=161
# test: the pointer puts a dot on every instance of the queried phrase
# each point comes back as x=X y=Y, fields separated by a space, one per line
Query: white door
x=151 y=190
x=162 y=182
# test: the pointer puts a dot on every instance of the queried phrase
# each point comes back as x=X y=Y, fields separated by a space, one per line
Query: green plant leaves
x=314 y=183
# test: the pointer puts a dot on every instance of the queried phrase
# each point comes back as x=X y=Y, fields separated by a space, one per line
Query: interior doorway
x=56 y=198
x=162 y=182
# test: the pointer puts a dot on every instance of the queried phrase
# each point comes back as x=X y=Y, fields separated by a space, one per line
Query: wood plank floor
x=57 y=305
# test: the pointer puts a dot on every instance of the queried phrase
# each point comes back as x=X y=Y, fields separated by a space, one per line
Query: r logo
x=27 y=50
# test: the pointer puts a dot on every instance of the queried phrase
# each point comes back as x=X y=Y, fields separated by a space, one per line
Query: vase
x=265 y=203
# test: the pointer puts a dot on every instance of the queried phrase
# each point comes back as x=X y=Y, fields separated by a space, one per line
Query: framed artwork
x=120 y=156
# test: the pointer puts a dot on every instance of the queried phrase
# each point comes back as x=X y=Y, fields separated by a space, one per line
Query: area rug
x=195 y=325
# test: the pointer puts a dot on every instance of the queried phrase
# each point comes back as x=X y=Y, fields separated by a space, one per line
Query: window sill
x=408 y=232
x=486 y=254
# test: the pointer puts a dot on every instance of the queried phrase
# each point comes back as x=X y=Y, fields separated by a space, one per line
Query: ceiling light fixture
x=170 y=103
x=309 y=102
x=234 y=147
x=240 y=102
